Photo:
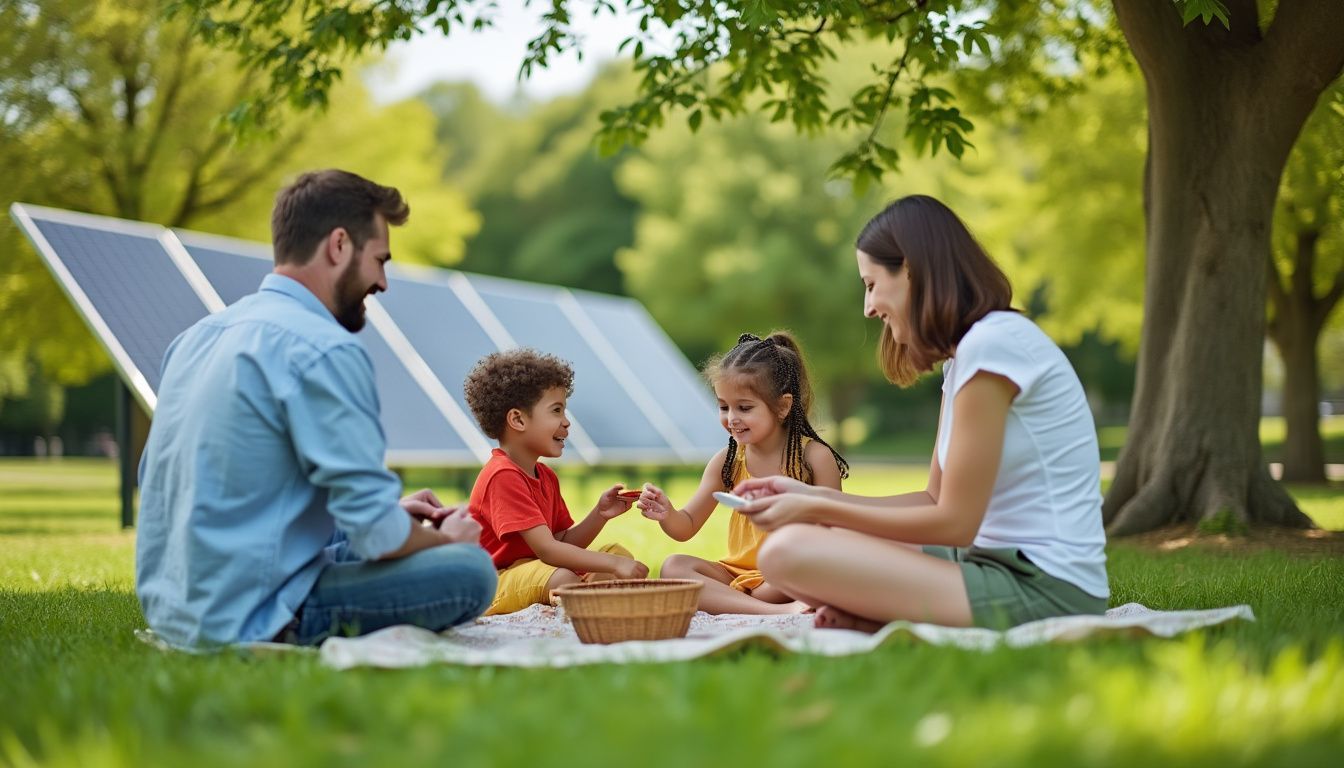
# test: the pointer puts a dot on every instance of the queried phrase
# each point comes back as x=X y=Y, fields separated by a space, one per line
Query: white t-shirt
x=1047 y=495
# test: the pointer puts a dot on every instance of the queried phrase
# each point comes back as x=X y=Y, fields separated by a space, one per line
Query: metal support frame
x=126 y=452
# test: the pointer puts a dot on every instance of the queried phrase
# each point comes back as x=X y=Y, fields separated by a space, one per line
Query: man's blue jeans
x=434 y=588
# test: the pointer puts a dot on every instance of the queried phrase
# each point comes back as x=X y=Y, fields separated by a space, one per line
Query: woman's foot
x=830 y=617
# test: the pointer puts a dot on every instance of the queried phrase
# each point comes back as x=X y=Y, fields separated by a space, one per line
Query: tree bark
x=1296 y=334
x=1225 y=106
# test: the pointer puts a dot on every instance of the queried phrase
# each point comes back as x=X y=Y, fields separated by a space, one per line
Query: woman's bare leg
x=716 y=596
x=864 y=576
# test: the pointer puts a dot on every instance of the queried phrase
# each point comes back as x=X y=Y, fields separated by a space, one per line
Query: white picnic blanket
x=540 y=636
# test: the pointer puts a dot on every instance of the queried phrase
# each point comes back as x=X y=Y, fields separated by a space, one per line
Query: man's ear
x=515 y=419
x=785 y=405
x=338 y=247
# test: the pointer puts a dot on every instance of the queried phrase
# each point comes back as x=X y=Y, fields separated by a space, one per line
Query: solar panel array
x=636 y=398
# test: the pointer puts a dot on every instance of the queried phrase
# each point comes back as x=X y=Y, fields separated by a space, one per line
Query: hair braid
x=729 y=459
x=784 y=363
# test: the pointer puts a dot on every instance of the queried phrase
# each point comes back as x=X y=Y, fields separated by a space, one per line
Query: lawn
x=77 y=689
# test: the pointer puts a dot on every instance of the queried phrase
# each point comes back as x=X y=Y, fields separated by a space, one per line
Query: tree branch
x=1277 y=296
x=1327 y=303
x=167 y=103
x=1306 y=45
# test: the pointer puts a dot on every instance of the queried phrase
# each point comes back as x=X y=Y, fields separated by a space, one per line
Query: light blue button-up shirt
x=265 y=441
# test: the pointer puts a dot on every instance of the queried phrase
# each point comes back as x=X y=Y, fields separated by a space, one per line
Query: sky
x=490 y=58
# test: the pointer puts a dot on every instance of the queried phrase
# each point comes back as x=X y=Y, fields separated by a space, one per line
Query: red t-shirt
x=506 y=499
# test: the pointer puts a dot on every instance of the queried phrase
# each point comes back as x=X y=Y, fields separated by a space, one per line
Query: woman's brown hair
x=953 y=282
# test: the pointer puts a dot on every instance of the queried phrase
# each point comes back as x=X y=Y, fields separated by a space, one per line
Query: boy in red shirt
x=518 y=397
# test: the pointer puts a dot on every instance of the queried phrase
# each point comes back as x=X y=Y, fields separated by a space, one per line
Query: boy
x=518 y=397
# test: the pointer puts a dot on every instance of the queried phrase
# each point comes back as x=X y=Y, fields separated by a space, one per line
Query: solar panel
x=535 y=316
x=676 y=388
x=124 y=282
x=418 y=431
x=636 y=400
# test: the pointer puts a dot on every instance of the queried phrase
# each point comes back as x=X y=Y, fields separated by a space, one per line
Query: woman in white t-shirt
x=1009 y=528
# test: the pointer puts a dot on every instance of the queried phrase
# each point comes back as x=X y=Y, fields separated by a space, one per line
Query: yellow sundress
x=744 y=539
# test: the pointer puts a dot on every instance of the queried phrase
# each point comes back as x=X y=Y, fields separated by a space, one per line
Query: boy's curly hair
x=514 y=378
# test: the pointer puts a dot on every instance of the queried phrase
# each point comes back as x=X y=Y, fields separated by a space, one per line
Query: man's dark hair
x=514 y=378
x=320 y=201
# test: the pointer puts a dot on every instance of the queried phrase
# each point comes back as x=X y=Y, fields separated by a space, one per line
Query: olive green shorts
x=1007 y=589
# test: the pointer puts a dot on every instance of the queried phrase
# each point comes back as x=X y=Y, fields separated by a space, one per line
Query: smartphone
x=729 y=500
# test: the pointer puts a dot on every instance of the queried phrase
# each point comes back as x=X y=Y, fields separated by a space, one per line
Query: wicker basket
x=638 y=609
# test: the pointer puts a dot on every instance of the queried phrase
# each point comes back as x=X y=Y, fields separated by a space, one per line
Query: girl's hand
x=761 y=487
x=610 y=505
x=654 y=503
x=781 y=509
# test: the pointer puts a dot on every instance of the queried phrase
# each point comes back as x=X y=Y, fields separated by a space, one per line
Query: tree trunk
x=1296 y=335
x=1303 y=449
x=1224 y=109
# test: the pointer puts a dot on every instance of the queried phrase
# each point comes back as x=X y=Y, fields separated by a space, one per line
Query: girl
x=764 y=399
x=1009 y=528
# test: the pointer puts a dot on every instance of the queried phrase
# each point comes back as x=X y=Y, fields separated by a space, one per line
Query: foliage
x=1084 y=249
x=1310 y=213
x=773 y=49
x=549 y=206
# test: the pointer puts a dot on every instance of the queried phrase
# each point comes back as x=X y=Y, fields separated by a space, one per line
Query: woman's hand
x=781 y=509
x=761 y=487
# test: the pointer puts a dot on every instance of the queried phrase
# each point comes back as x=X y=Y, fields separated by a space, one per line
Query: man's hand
x=630 y=569
x=457 y=525
x=424 y=505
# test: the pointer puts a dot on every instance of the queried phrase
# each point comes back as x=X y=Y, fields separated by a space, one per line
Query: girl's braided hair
x=776 y=368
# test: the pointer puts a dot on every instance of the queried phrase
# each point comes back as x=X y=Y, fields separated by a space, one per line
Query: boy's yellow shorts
x=524 y=583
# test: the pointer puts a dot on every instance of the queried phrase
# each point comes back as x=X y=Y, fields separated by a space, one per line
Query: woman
x=1009 y=528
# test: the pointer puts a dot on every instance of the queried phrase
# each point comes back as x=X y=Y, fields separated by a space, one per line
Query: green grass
x=76 y=689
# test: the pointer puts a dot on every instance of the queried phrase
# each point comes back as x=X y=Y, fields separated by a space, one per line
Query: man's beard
x=350 y=299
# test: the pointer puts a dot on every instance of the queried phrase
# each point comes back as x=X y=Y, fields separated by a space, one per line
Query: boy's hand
x=630 y=569
x=654 y=503
x=610 y=504
x=457 y=525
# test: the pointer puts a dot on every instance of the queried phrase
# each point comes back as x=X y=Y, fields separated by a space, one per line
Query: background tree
x=549 y=204
x=1306 y=278
x=107 y=108
x=1239 y=83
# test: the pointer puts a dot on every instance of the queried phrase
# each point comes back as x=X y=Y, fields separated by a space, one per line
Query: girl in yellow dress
x=764 y=399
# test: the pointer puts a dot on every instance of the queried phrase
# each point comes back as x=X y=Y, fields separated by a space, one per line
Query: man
x=266 y=512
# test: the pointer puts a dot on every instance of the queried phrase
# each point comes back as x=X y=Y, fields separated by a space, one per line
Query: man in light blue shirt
x=266 y=511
